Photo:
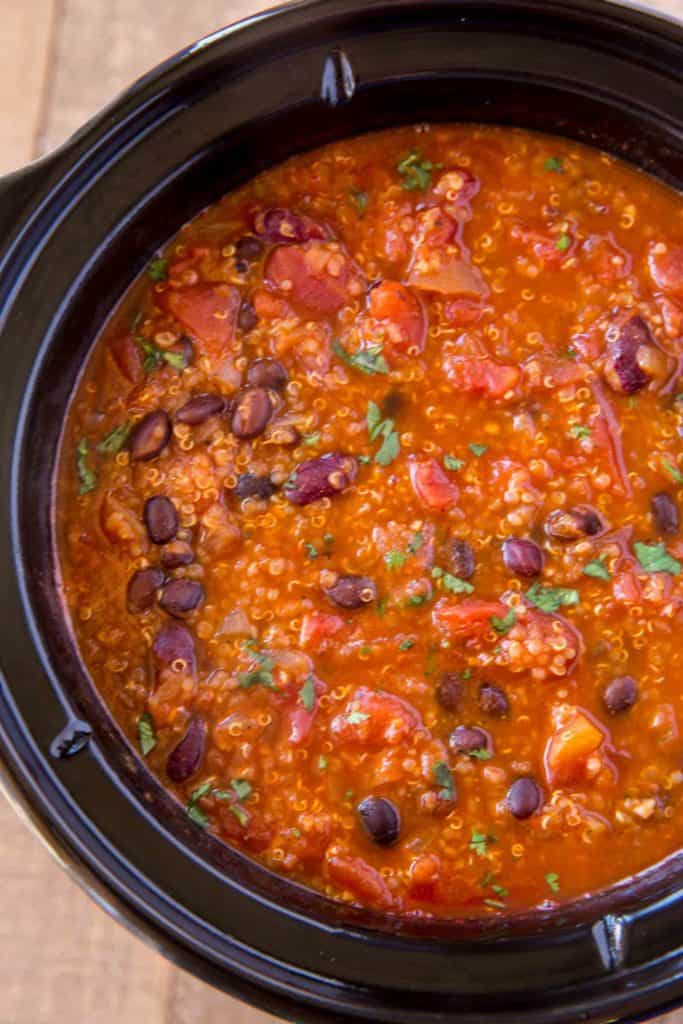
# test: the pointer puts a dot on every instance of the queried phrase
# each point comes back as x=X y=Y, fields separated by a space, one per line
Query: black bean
x=524 y=797
x=623 y=367
x=177 y=553
x=186 y=757
x=381 y=820
x=450 y=691
x=461 y=558
x=573 y=523
x=352 y=591
x=149 y=437
x=161 y=519
x=142 y=589
x=665 y=513
x=200 y=408
x=248 y=249
x=391 y=404
x=523 y=557
x=181 y=596
x=267 y=373
x=246 y=318
x=323 y=477
x=279 y=225
x=493 y=700
x=249 y=485
x=251 y=411
x=464 y=739
x=174 y=643
x=620 y=695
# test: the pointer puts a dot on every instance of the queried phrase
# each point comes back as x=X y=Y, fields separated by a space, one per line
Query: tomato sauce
x=368 y=515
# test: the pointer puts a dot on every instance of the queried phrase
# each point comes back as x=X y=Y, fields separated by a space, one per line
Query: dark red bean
x=665 y=513
x=493 y=700
x=267 y=373
x=620 y=695
x=251 y=411
x=184 y=348
x=278 y=225
x=200 y=408
x=181 y=596
x=321 y=478
x=352 y=591
x=624 y=369
x=465 y=739
x=461 y=557
x=381 y=820
x=450 y=691
x=524 y=797
x=246 y=317
x=149 y=437
x=573 y=523
x=249 y=485
x=142 y=589
x=186 y=757
x=248 y=249
x=523 y=557
x=174 y=643
x=177 y=553
x=161 y=519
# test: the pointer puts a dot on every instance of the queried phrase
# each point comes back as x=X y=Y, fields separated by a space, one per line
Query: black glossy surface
x=78 y=227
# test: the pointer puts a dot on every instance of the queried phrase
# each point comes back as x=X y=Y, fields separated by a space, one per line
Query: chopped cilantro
x=655 y=558
x=381 y=606
x=405 y=645
x=364 y=459
x=154 y=356
x=504 y=624
x=597 y=568
x=146 y=734
x=578 y=431
x=496 y=904
x=444 y=778
x=241 y=788
x=115 y=439
x=240 y=813
x=415 y=543
x=415 y=171
x=563 y=243
x=478 y=449
x=480 y=754
x=365 y=650
x=389 y=448
x=550 y=599
x=377 y=427
x=479 y=843
x=311 y=439
x=262 y=675
x=450 y=462
x=307 y=694
x=322 y=763
x=356 y=717
x=311 y=549
x=348 y=795
x=395 y=559
x=673 y=471
x=193 y=810
x=86 y=476
x=553 y=881
x=158 y=270
x=452 y=583
x=554 y=163
x=569 y=352
x=328 y=539
x=368 y=360
x=360 y=199
x=415 y=600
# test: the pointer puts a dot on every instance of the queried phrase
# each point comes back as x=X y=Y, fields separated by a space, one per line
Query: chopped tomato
x=208 y=311
x=550 y=372
x=128 y=357
x=571 y=745
x=361 y=879
x=607 y=260
x=439 y=262
x=626 y=588
x=482 y=376
x=431 y=484
x=268 y=306
x=120 y=520
x=666 y=267
x=547 y=244
x=463 y=311
x=469 y=618
x=402 y=316
x=318 y=627
x=301 y=718
x=319 y=277
x=375 y=719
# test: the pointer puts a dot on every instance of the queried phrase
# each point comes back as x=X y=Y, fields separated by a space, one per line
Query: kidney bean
x=626 y=368
x=352 y=591
x=461 y=557
x=620 y=695
x=181 y=596
x=149 y=437
x=186 y=757
x=246 y=317
x=161 y=519
x=251 y=411
x=174 y=643
x=464 y=739
x=381 y=820
x=573 y=523
x=321 y=478
x=278 y=225
x=523 y=557
x=665 y=513
x=248 y=249
x=142 y=589
x=450 y=691
x=200 y=408
x=249 y=485
x=524 y=797
x=493 y=701
x=267 y=373
x=185 y=348
x=177 y=553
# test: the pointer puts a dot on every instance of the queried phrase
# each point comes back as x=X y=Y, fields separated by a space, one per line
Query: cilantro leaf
x=155 y=357
x=452 y=583
x=450 y=462
x=563 y=243
x=405 y=645
x=478 y=449
x=356 y=717
x=193 y=811
x=550 y=599
x=504 y=624
x=415 y=544
x=415 y=600
x=389 y=449
x=415 y=171
x=554 y=163
x=444 y=778
x=311 y=549
x=262 y=675
x=597 y=568
x=241 y=788
x=307 y=694
x=115 y=439
x=373 y=419
x=146 y=734
x=240 y=813
x=673 y=471
x=381 y=606
x=368 y=360
x=579 y=432
x=480 y=754
x=360 y=199
x=322 y=762
x=311 y=439
x=553 y=881
x=86 y=476
x=479 y=843
x=655 y=558
x=158 y=270
x=395 y=559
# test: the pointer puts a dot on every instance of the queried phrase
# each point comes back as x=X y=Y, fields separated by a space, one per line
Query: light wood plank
x=193 y=1002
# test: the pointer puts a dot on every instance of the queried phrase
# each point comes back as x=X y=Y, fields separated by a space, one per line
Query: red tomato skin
x=432 y=486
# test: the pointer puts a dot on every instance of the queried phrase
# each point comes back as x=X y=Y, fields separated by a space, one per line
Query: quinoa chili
x=369 y=519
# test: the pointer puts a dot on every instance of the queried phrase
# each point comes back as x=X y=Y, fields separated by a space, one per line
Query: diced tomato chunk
x=469 y=618
x=301 y=718
x=268 y=306
x=402 y=316
x=665 y=263
x=431 y=484
x=626 y=588
x=128 y=357
x=463 y=311
x=317 y=276
x=318 y=627
x=439 y=262
x=360 y=878
x=571 y=745
x=482 y=376
x=208 y=311
x=375 y=719
x=547 y=244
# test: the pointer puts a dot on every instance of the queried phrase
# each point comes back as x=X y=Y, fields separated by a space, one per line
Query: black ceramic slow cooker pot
x=75 y=228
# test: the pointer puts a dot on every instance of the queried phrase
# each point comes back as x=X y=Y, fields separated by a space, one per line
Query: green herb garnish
x=550 y=599
x=263 y=675
x=415 y=544
x=478 y=449
x=415 y=171
x=115 y=439
x=311 y=439
x=563 y=243
x=155 y=357
x=146 y=734
x=193 y=811
x=480 y=754
x=241 y=788
x=553 y=881
x=503 y=624
x=673 y=471
x=368 y=360
x=444 y=778
x=311 y=549
x=554 y=163
x=86 y=476
x=415 y=600
x=322 y=763
x=360 y=199
x=452 y=583
x=655 y=558
x=405 y=645
x=307 y=694
x=381 y=606
x=450 y=462
x=395 y=559
x=158 y=270
x=479 y=843
x=597 y=568
x=578 y=431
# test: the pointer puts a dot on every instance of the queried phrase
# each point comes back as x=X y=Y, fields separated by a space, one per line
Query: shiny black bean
x=142 y=589
x=181 y=596
x=665 y=513
x=624 y=369
x=200 y=408
x=249 y=485
x=381 y=820
x=161 y=519
x=461 y=558
x=149 y=437
x=186 y=757
x=248 y=249
x=174 y=643
x=523 y=557
x=177 y=553
x=251 y=411
x=493 y=700
x=524 y=797
x=267 y=373
x=321 y=478
x=620 y=695
x=246 y=317
x=573 y=523
x=352 y=591
x=450 y=691
x=464 y=739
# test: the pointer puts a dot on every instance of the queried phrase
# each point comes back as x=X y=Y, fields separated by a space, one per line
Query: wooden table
x=60 y=956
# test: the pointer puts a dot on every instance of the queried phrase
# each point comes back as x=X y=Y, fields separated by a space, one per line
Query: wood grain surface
x=61 y=957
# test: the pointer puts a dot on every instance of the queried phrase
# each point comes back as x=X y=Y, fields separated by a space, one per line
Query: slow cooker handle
x=16 y=191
